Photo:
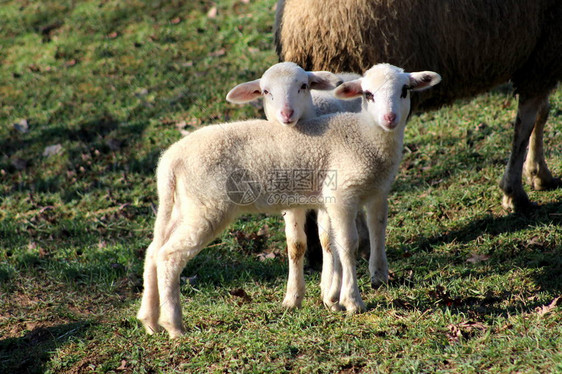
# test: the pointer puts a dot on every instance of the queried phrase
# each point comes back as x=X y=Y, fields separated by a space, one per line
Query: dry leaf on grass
x=464 y=329
x=476 y=258
x=212 y=13
x=545 y=309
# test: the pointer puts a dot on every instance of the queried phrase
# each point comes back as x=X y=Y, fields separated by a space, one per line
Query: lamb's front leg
x=346 y=241
x=377 y=214
x=296 y=246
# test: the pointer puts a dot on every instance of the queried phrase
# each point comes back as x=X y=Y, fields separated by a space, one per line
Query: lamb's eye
x=404 y=92
x=304 y=86
x=265 y=92
x=369 y=96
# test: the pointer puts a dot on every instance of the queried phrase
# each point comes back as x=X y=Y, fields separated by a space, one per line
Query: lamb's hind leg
x=330 y=283
x=535 y=168
x=515 y=197
x=150 y=305
x=345 y=237
x=187 y=240
x=296 y=246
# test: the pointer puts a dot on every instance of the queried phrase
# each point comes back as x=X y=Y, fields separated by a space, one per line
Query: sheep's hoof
x=333 y=306
x=355 y=308
x=175 y=333
x=292 y=302
x=546 y=185
x=150 y=325
x=520 y=205
x=378 y=280
x=152 y=329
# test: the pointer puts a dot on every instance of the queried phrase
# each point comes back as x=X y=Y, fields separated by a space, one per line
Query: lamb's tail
x=166 y=184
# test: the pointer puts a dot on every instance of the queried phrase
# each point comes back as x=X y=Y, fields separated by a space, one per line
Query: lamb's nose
x=286 y=114
x=390 y=118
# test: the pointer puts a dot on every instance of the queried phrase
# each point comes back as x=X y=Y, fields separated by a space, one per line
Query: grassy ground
x=92 y=91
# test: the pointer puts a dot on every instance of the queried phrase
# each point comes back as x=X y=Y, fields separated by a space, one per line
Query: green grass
x=112 y=83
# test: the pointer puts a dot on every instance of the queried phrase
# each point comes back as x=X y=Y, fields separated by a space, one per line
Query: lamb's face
x=386 y=93
x=285 y=88
x=286 y=93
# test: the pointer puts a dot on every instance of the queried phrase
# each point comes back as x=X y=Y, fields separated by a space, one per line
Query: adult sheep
x=474 y=45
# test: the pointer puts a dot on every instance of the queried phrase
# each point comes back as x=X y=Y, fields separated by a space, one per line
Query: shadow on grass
x=539 y=254
x=30 y=353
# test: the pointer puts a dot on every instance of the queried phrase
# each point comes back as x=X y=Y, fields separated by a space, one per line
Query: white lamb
x=291 y=94
x=288 y=92
x=195 y=176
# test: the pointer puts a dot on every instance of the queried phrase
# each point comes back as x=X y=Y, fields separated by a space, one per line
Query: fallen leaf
x=545 y=309
x=123 y=365
x=175 y=21
x=114 y=144
x=239 y=292
x=212 y=13
x=476 y=258
x=464 y=329
x=112 y=35
x=19 y=163
x=52 y=150
x=535 y=241
x=22 y=126
x=266 y=256
x=218 y=53
x=141 y=92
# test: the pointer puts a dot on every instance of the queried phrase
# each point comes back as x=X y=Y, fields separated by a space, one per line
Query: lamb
x=362 y=150
x=475 y=45
x=286 y=89
x=289 y=93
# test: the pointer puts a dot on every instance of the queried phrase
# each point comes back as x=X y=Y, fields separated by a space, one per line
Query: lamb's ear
x=244 y=92
x=323 y=80
x=423 y=80
x=349 y=90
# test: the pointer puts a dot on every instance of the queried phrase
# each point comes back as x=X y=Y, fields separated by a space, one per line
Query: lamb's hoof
x=150 y=325
x=333 y=306
x=152 y=329
x=175 y=333
x=355 y=307
x=292 y=302
x=173 y=330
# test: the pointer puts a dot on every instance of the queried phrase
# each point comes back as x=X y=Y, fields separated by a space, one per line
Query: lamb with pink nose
x=286 y=91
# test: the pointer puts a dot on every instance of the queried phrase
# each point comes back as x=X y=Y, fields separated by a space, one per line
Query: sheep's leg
x=189 y=237
x=150 y=305
x=535 y=168
x=296 y=245
x=377 y=213
x=183 y=245
x=149 y=310
x=331 y=267
x=346 y=241
x=514 y=196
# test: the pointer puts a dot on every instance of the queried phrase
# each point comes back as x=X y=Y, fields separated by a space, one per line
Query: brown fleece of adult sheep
x=474 y=45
